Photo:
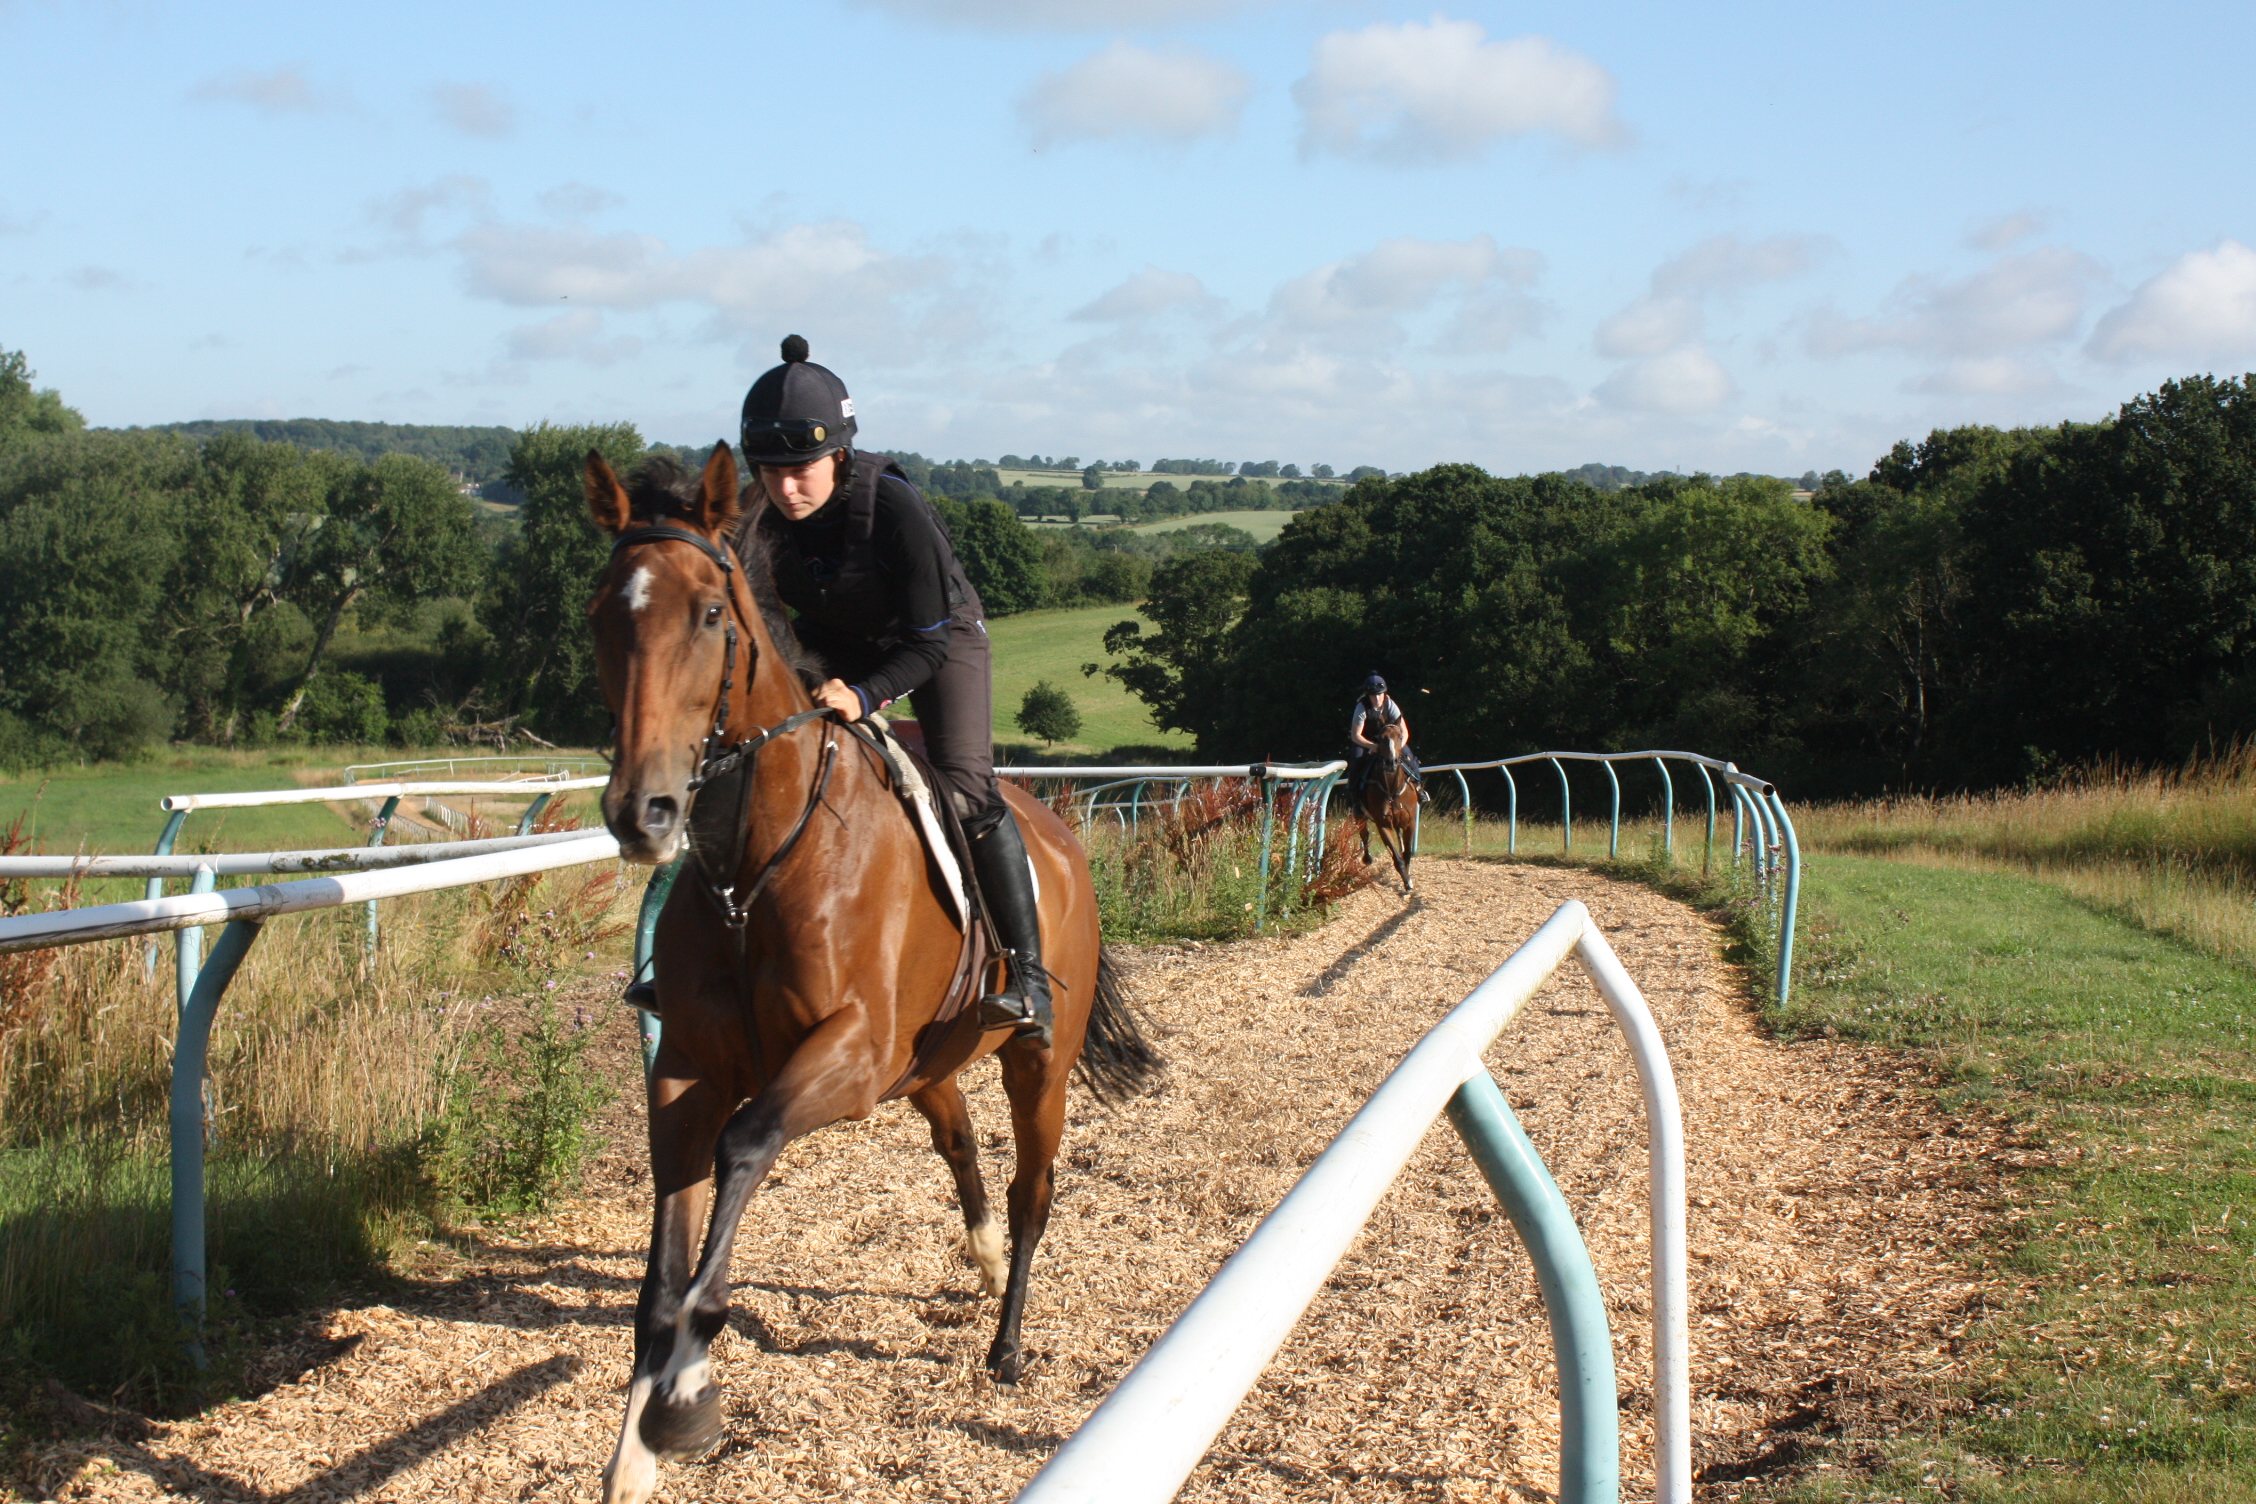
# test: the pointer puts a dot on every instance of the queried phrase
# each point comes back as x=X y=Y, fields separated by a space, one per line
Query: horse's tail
x=1117 y=1061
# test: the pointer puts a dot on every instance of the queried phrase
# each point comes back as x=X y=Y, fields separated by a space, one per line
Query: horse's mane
x=660 y=490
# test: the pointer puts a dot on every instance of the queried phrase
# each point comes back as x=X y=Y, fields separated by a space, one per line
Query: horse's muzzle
x=649 y=829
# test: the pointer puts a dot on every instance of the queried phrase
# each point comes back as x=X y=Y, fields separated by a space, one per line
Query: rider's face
x=800 y=491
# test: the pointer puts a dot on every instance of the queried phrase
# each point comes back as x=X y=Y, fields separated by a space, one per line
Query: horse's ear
x=607 y=499
x=716 y=491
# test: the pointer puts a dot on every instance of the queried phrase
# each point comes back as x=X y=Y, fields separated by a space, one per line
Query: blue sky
x=1763 y=236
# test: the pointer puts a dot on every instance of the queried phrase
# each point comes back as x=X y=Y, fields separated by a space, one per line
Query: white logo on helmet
x=845 y=407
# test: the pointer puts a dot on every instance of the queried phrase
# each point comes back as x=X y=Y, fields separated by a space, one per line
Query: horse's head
x=676 y=640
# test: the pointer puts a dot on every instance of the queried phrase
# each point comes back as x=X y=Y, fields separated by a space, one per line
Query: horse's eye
x=712 y=614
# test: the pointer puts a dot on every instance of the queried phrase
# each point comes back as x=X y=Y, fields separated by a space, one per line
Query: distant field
x=1265 y=526
x=111 y=808
x=1053 y=645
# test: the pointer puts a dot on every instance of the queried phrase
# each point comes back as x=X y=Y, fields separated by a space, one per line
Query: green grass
x=112 y=807
x=1265 y=526
x=2122 y=1367
x=1052 y=645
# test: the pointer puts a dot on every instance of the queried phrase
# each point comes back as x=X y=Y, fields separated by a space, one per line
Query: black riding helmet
x=796 y=413
x=1374 y=686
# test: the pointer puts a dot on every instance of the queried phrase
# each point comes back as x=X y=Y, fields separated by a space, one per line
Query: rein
x=715 y=762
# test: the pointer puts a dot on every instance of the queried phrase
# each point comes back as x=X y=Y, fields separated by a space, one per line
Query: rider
x=879 y=595
x=1377 y=709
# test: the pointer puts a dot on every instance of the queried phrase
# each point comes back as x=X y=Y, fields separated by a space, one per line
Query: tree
x=998 y=553
x=1176 y=667
x=544 y=660
x=397 y=531
x=1321 y=472
x=26 y=414
x=90 y=533
x=253 y=509
x=1092 y=479
x=1049 y=713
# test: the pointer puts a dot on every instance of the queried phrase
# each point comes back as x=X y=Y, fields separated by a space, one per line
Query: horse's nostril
x=659 y=815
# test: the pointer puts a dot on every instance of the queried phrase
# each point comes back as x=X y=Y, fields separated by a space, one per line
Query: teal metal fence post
x=1707 y=853
x=1511 y=812
x=1613 y=841
x=532 y=813
x=1738 y=824
x=188 y=953
x=1465 y=791
x=1589 y=1419
x=1793 y=899
x=155 y=889
x=190 y=1055
x=1268 y=829
x=654 y=895
x=376 y=838
x=1566 y=810
x=1668 y=810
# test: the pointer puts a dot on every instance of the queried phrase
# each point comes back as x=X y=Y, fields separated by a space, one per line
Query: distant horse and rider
x=1384 y=777
x=824 y=955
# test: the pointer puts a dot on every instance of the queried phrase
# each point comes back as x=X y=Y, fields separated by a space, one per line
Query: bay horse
x=1389 y=802
x=803 y=960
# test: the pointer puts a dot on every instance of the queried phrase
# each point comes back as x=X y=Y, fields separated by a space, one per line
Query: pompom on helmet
x=797 y=412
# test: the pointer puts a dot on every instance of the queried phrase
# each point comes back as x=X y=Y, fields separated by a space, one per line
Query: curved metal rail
x=1151 y=1431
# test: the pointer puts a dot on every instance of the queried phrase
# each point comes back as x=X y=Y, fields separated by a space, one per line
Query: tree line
x=232 y=590
x=1986 y=606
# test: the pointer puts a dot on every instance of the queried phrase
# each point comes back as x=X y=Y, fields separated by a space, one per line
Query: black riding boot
x=1007 y=885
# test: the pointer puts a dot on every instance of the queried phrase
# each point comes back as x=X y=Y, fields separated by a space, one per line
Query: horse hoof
x=683 y=1432
x=1005 y=1363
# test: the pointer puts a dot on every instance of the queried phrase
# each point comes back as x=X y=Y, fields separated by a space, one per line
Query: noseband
x=716 y=761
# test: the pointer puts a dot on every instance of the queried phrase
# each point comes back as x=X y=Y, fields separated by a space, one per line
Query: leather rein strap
x=713 y=764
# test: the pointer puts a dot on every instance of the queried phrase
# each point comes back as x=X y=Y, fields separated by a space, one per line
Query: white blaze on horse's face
x=638 y=589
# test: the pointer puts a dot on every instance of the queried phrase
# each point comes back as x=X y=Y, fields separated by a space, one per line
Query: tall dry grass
x=329 y=1067
x=2172 y=849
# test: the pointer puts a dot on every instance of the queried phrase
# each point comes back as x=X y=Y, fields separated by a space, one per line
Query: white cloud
x=474 y=109
x=1988 y=376
x=95 y=279
x=278 y=91
x=577 y=200
x=2200 y=307
x=1725 y=263
x=1439 y=90
x=404 y=211
x=827 y=280
x=1125 y=90
x=1058 y=15
x=1150 y=291
x=578 y=335
x=2006 y=230
x=1680 y=382
x=2012 y=305
x=1361 y=301
x=1649 y=326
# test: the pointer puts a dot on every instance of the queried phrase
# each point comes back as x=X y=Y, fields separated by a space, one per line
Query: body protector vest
x=849 y=595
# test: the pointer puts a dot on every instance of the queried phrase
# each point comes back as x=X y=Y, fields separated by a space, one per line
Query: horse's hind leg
x=1035 y=1080
x=685 y=1120
x=942 y=1104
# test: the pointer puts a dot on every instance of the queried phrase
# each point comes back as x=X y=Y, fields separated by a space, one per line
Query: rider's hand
x=836 y=695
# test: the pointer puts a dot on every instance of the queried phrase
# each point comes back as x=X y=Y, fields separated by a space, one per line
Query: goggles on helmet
x=796 y=435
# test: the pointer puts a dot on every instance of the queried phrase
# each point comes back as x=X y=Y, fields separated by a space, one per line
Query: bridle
x=716 y=761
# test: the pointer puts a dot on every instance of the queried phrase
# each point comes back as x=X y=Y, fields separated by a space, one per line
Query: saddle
x=947 y=849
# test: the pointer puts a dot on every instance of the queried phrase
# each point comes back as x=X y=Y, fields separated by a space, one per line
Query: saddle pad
x=916 y=792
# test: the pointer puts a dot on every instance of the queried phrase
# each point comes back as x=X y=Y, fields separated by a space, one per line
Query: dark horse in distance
x=802 y=965
x=1389 y=802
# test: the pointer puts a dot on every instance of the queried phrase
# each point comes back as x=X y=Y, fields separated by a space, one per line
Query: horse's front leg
x=686 y=1114
x=827 y=1078
x=942 y=1104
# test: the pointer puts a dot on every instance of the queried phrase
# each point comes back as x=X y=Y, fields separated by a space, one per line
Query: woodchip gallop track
x=1827 y=1205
